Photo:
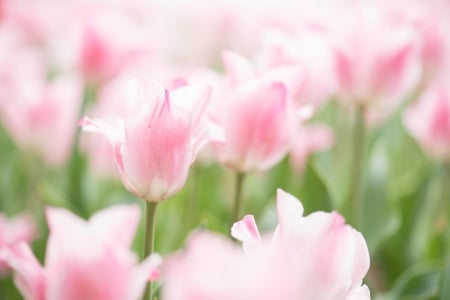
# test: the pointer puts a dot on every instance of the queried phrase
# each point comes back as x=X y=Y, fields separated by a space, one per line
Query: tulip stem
x=149 y=239
x=76 y=163
x=358 y=143
x=445 y=194
x=237 y=198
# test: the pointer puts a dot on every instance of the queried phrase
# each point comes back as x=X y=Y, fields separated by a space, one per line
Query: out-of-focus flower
x=309 y=50
x=159 y=138
x=13 y=231
x=312 y=257
x=428 y=121
x=373 y=66
x=84 y=260
x=42 y=118
x=109 y=43
x=310 y=139
x=256 y=114
x=431 y=23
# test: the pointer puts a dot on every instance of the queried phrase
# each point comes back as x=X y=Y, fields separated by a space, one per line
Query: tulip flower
x=370 y=65
x=375 y=72
x=156 y=142
x=13 y=231
x=431 y=23
x=307 y=257
x=84 y=259
x=310 y=51
x=254 y=109
x=44 y=114
x=109 y=43
x=428 y=121
x=158 y=139
x=256 y=113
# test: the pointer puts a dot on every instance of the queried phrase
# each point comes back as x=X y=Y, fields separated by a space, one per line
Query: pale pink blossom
x=42 y=117
x=428 y=121
x=159 y=138
x=309 y=50
x=39 y=113
x=13 y=231
x=109 y=42
x=307 y=257
x=431 y=23
x=256 y=112
x=84 y=259
x=372 y=66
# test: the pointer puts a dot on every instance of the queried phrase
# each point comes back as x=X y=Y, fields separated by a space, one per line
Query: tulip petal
x=117 y=224
x=113 y=129
x=360 y=293
x=247 y=232
x=289 y=210
x=192 y=98
x=148 y=270
x=29 y=277
x=237 y=67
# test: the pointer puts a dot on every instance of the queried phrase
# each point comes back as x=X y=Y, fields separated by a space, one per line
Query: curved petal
x=289 y=210
x=359 y=293
x=112 y=129
x=237 y=67
x=148 y=270
x=158 y=151
x=247 y=232
x=117 y=225
x=29 y=277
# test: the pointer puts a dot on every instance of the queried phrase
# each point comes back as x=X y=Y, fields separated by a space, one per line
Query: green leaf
x=419 y=282
x=381 y=217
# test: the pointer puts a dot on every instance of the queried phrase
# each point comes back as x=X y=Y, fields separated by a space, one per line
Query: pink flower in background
x=312 y=257
x=431 y=23
x=42 y=117
x=159 y=138
x=371 y=65
x=109 y=43
x=310 y=139
x=428 y=121
x=309 y=50
x=256 y=114
x=435 y=46
x=13 y=231
x=84 y=259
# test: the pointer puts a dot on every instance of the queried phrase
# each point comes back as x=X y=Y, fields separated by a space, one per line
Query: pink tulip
x=370 y=64
x=159 y=138
x=109 y=43
x=13 y=231
x=256 y=114
x=428 y=121
x=41 y=118
x=312 y=257
x=431 y=23
x=310 y=51
x=84 y=259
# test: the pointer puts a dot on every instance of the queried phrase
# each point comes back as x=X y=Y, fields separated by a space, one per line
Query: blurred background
x=374 y=144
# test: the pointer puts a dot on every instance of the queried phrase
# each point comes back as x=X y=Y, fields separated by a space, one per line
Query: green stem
x=190 y=205
x=237 y=198
x=76 y=163
x=3 y=287
x=445 y=289
x=358 y=142
x=445 y=195
x=149 y=239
